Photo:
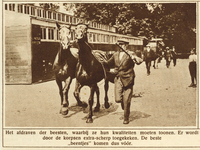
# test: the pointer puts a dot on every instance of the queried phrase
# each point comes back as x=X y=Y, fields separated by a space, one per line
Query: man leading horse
x=124 y=62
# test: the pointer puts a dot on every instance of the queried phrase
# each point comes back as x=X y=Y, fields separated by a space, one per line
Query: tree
x=50 y=6
x=174 y=22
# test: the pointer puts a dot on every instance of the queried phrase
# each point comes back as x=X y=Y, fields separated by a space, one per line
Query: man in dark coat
x=168 y=56
x=125 y=75
x=173 y=55
x=148 y=57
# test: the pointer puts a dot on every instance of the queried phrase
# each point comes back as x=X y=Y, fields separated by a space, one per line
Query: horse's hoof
x=79 y=103
x=107 y=105
x=64 y=111
x=84 y=104
x=89 y=120
x=96 y=109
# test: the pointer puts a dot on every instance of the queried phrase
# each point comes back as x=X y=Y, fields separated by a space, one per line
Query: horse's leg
x=106 y=86
x=65 y=96
x=77 y=90
x=59 y=83
x=91 y=101
x=96 y=109
x=154 y=63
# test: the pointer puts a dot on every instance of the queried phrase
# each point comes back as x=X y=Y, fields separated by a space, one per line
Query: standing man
x=125 y=75
x=148 y=56
x=193 y=67
x=173 y=55
x=168 y=56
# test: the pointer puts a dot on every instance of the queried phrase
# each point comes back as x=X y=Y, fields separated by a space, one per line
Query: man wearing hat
x=124 y=80
x=193 y=67
x=168 y=56
x=148 y=56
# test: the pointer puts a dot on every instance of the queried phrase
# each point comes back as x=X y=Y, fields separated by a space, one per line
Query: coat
x=149 y=56
x=123 y=68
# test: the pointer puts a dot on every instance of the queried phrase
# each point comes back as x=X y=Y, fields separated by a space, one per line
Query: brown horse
x=89 y=70
x=64 y=68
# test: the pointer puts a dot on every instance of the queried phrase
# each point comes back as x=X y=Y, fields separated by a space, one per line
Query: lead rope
x=97 y=60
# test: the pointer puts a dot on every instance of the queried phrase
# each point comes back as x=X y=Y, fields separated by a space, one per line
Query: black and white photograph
x=88 y=74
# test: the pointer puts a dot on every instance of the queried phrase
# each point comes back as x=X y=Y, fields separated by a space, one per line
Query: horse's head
x=65 y=34
x=81 y=31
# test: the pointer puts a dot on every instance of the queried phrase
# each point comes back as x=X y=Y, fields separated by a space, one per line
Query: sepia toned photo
x=100 y=75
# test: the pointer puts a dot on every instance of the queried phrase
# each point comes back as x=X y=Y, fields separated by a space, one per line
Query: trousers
x=123 y=95
x=193 y=71
x=148 y=66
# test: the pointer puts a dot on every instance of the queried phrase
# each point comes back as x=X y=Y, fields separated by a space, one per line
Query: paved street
x=162 y=99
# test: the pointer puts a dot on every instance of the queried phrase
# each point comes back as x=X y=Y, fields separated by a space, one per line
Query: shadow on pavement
x=103 y=111
x=134 y=115
x=74 y=109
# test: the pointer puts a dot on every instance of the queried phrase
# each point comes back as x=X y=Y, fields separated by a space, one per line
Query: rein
x=97 y=60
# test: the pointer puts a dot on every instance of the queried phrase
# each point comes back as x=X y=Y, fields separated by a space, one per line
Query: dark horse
x=64 y=68
x=89 y=70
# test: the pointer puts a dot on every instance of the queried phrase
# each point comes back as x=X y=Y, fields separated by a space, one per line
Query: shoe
x=194 y=85
x=191 y=85
x=126 y=122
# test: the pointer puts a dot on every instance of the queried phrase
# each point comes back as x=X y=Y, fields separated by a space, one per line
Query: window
x=26 y=9
x=32 y=11
x=70 y=19
x=20 y=9
x=98 y=38
x=94 y=37
x=63 y=17
x=50 y=34
x=95 y=25
x=6 y=7
x=10 y=6
x=67 y=18
x=44 y=14
x=54 y=16
x=39 y=12
x=43 y=33
x=49 y=14
x=59 y=17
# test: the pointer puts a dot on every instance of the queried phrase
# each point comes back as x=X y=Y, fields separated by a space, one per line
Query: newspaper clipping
x=100 y=75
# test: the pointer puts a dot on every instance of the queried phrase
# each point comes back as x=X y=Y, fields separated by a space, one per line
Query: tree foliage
x=174 y=22
x=50 y=6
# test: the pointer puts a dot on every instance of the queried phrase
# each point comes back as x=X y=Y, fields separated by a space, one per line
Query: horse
x=89 y=69
x=64 y=68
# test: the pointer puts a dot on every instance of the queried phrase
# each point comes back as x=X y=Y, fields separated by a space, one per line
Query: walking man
x=148 y=55
x=168 y=56
x=125 y=75
x=192 y=67
x=173 y=55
